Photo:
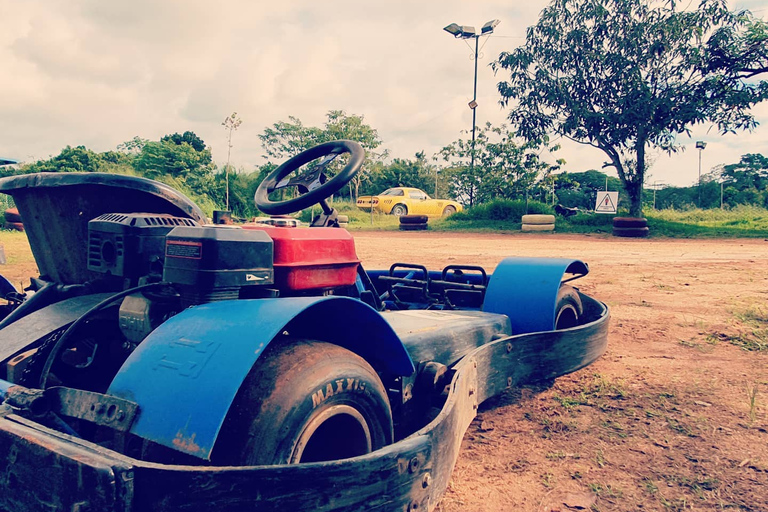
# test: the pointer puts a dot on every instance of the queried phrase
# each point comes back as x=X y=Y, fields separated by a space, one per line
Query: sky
x=98 y=73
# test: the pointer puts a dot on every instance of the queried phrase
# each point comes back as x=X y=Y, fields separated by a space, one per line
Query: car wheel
x=448 y=211
x=305 y=401
x=399 y=209
x=568 y=308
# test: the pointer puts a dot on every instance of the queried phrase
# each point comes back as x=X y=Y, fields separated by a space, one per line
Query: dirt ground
x=673 y=417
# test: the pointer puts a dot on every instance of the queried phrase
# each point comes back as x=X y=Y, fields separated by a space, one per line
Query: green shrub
x=501 y=210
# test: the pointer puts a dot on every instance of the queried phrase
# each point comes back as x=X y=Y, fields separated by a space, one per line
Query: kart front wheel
x=568 y=308
x=305 y=401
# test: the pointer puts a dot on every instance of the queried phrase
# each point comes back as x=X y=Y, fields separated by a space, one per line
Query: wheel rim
x=338 y=432
x=567 y=317
x=398 y=211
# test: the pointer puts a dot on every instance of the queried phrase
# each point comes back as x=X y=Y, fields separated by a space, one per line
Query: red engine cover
x=312 y=258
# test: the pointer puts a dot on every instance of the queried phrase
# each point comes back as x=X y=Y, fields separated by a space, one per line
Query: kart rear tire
x=399 y=210
x=414 y=219
x=568 y=308
x=305 y=401
x=630 y=222
x=631 y=232
x=12 y=215
x=413 y=227
x=535 y=219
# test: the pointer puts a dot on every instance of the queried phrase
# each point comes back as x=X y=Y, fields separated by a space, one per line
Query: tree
x=188 y=137
x=626 y=76
x=133 y=146
x=286 y=139
x=77 y=159
x=505 y=167
x=230 y=124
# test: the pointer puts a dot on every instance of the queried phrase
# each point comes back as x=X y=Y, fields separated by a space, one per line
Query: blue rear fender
x=187 y=372
x=525 y=289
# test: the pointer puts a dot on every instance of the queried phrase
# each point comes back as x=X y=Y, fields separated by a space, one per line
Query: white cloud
x=97 y=73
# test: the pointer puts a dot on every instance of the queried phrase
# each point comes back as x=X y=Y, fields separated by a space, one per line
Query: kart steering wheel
x=313 y=185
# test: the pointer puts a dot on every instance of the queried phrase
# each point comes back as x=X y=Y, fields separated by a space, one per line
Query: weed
x=548 y=479
x=680 y=427
x=600 y=458
x=606 y=490
x=650 y=486
x=559 y=455
x=569 y=402
x=752 y=396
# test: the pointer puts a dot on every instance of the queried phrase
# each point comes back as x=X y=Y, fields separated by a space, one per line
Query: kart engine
x=202 y=263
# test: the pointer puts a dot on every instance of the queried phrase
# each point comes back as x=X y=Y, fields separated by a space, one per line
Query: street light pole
x=467 y=32
x=700 y=145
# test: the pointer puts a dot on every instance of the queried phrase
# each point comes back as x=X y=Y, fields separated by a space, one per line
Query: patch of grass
x=606 y=490
x=752 y=397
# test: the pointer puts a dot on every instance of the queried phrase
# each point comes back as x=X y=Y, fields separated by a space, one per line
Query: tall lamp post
x=467 y=32
x=700 y=145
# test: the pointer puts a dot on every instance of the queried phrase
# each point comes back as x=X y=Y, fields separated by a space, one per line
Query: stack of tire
x=633 y=227
x=538 y=222
x=343 y=221
x=413 y=222
x=13 y=220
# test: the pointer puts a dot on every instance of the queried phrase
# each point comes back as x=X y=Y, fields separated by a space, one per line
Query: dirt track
x=673 y=417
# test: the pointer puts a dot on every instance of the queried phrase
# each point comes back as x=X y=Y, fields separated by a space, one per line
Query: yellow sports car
x=408 y=201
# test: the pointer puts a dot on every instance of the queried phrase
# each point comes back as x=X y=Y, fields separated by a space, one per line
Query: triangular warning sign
x=606 y=202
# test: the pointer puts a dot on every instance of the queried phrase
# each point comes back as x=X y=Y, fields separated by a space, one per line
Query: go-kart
x=159 y=363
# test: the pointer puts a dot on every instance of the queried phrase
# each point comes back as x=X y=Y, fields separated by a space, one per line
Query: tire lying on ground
x=538 y=227
x=631 y=232
x=15 y=226
x=538 y=219
x=630 y=222
x=413 y=227
x=305 y=401
x=12 y=215
x=413 y=219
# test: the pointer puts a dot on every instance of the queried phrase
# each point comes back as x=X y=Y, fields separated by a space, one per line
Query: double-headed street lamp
x=467 y=32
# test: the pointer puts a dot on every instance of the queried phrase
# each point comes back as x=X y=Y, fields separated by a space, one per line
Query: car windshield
x=392 y=192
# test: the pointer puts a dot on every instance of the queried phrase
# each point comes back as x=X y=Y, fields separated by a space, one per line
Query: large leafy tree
x=77 y=159
x=187 y=137
x=505 y=167
x=626 y=76
x=285 y=139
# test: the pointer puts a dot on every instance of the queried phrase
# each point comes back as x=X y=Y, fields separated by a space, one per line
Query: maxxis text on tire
x=413 y=219
x=538 y=227
x=12 y=215
x=413 y=227
x=538 y=219
x=305 y=401
x=630 y=232
x=630 y=222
